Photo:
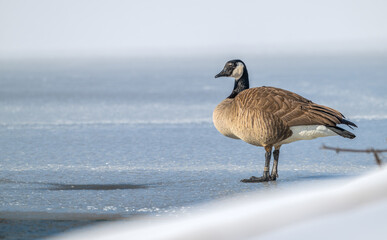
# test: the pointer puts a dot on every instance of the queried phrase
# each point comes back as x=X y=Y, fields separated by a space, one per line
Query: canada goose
x=269 y=117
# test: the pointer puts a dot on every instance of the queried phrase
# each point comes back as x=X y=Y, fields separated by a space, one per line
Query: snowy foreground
x=347 y=209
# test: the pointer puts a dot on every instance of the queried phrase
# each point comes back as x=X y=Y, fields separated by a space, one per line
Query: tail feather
x=348 y=123
x=342 y=132
x=331 y=114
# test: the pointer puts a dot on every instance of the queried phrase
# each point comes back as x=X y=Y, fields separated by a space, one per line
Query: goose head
x=236 y=69
x=233 y=68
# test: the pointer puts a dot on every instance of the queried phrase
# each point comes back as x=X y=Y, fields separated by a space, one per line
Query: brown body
x=263 y=116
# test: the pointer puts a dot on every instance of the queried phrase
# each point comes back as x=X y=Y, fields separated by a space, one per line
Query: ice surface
x=350 y=209
x=129 y=137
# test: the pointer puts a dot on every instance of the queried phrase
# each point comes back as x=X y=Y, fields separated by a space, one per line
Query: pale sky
x=111 y=27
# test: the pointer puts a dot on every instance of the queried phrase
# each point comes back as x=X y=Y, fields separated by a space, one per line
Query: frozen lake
x=105 y=139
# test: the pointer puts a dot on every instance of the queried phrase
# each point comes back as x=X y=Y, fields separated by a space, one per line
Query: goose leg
x=266 y=176
x=274 y=170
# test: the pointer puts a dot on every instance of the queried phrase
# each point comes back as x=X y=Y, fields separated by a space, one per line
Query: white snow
x=345 y=209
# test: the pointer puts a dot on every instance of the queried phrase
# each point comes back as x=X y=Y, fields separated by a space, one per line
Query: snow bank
x=346 y=209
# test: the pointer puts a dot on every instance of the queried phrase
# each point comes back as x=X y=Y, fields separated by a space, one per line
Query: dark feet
x=274 y=176
x=264 y=178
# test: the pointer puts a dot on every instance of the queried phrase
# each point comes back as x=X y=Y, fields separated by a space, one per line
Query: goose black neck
x=240 y=84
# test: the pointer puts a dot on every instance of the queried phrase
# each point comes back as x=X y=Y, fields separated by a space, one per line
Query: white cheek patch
x=238 y=71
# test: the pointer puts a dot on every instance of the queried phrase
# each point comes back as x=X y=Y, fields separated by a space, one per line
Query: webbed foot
x=253 y=179
x=274 y=177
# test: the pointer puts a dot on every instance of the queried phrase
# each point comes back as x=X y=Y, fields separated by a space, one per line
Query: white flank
x=308 y=132
x=238 y=71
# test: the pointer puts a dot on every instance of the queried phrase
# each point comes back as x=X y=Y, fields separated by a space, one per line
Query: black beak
x=221 y=74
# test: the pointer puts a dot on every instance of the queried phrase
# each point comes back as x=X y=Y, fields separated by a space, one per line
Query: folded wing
x=290 y=107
